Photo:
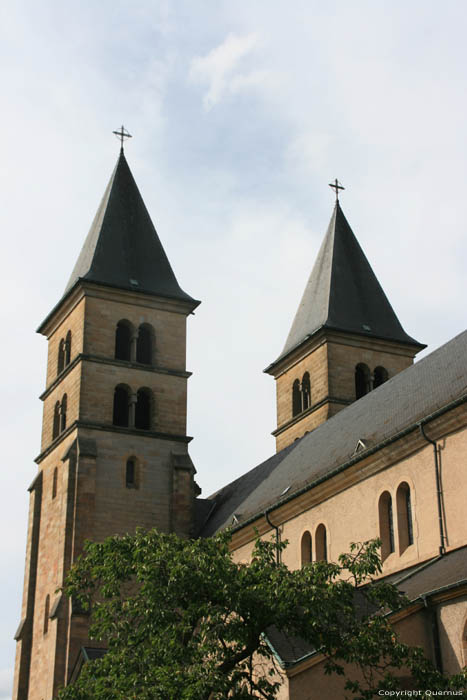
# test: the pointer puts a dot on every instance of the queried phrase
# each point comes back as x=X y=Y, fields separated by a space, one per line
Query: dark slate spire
x=122 y=248
x=343 y=293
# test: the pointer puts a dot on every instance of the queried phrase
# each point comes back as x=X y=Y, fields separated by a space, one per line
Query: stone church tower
x=345 y=339
x=114 y=452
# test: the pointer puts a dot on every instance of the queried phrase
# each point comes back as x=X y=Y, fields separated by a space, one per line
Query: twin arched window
x=134 y=345
x=132 y=410
x=365 y=381
x=59 y=420
x=64 y=353
x=404 y=520
x=321 y=549
x=301 y=395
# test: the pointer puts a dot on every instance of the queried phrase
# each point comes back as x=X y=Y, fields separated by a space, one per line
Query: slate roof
x=122 y=248
x=448 y=571
x=343 y=293
x=396 y=406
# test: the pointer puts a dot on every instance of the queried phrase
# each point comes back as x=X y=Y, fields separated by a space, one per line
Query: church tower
x=345 y=339
x=114 y=452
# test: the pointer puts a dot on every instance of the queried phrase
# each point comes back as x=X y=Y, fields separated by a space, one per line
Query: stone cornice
x=84 y=288
x=116 y=363
x=296 y=419
x=328 y=335
x=104 y=427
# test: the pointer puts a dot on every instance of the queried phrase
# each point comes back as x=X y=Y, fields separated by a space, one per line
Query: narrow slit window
x=54 y=482
x=46 y=614
x=130 y=474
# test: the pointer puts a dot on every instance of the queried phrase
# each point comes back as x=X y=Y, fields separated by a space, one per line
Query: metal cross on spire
x=122 y=134
x=336 y=186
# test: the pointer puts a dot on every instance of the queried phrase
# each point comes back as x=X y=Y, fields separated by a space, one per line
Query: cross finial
x=336 y=186
x=122 y=134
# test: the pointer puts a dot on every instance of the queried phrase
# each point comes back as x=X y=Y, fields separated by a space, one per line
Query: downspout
x=442 y=548
x=431 y=610
x=276 y=528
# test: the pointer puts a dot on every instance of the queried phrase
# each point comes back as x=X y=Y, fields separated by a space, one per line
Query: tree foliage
x=181 y=620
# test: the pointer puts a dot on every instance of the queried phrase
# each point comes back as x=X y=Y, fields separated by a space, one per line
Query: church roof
x=390 y=411
x=422 y=581
x=122 y=248
x=343 y=293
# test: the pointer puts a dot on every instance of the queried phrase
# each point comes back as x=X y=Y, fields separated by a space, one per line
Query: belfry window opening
x=64 y=353
x=301 y=395
x=144 y=344
x=123 y=336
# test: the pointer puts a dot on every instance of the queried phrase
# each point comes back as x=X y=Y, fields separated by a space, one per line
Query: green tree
x=182 y=621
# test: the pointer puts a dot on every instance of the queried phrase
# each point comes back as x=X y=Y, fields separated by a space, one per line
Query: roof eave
x=190 y=303
x=286 y=355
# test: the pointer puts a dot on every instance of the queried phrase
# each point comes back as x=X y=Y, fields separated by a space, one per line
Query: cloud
x=218 y=66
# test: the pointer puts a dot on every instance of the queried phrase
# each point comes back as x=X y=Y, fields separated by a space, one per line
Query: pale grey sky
x=241 y=112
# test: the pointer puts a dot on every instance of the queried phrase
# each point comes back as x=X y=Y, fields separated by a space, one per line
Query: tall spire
x=122 y=248
x=343 y=293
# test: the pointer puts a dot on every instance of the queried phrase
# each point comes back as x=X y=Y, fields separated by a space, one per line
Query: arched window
x=306 y=392
x=143 y=409
x=61 y=356
x=362 y=380
x=306 y=548
x=404 y=516
x=321 y=544
x=123 y=340
x=46 y=614
x=386 y=525
x=56 y=421
x=54 y=483
x=144 y=344
x=121 y=405
x=380 y=376
x=63 y=408
x=130 y=473
x=68 y=348
x=296 y=398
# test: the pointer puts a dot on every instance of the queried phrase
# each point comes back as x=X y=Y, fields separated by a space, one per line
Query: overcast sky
x=241 y=112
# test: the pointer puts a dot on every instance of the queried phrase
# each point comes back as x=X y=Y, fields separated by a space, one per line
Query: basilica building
x=368 y=444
